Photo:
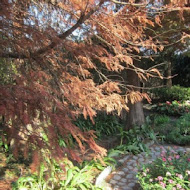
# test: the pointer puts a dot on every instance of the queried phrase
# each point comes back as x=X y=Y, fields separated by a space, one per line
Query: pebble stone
x=117 y=177
x=127 y=188
x=121 y=161
x=130 y=167
x=131 y=184
x=125 y=177
x=113 y=181
x=157 y=148
x=141 y=160
x=129 y=176
x=121 y=173
x=125 y=158
x=124 y=180
x=126 y=169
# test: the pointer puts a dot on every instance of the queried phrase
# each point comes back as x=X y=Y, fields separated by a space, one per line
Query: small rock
x=157 y=153
x=154 y=157
x=129 y=176
x=181 y=149
x=126 y=169
x=124 y=180
x=121 y=184
x=131 y=184
x=113 y=181
x=131 y=162
x=117 y=177
x=121 y=173
x=125 y=158
x=141 y=160
x=126 y=188
x=134 y=173
x=121 y=161
x=144 y=153
x=116 y=188
x=135 y=169
x=151 y=149
x=135 y=157
x=130 y=167
x=157 y=148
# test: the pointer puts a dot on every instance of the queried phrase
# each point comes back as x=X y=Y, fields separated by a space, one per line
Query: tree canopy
x=56 y=47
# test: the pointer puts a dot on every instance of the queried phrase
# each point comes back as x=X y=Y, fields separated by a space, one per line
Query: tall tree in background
x=174 y=29
x=182 y=69
x=51 y=45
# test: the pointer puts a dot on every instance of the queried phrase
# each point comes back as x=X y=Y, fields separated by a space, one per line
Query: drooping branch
x=68 y=32
x=133 y=4
x=13 y=55
x=62 y=36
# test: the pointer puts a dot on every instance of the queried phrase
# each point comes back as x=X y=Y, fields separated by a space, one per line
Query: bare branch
x=13 y=55
x=133 y=4
x=63 y=36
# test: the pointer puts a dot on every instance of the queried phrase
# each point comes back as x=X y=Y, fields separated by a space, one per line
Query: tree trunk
x=135 y=116
x=168 y=74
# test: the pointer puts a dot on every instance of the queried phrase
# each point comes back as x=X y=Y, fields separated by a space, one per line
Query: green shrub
x=162 y=125
x=135 y=139
x=104 y=125
x=180 y=134
x=45 y=179
x=176 y=131
x=52 y=176
x=132 y=141
x=170 y=94
x=73 y=178
x=161 y=120
x=184 y=123
x=170 y=171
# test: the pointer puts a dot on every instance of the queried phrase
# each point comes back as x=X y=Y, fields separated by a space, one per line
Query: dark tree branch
x=13 y=55
x=53 y=44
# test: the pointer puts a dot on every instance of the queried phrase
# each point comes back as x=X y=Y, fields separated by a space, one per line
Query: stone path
x=124 y=178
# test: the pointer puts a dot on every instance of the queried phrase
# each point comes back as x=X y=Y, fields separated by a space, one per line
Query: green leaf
x=82 y=187
x=113 y=153
x=69 y=176
x=75 y=179
x=99 y=166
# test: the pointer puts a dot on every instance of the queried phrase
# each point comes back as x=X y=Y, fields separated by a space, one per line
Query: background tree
x=181 y=68
x=175 y=31
x=50 y=43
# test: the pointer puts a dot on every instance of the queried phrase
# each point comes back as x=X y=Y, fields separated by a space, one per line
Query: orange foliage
x=59 y=49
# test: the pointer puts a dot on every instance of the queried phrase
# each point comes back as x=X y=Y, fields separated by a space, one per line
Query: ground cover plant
x=51 y=176
x=173 y=93
x=171 y=172
x=135 y=140
x=74 y=177
x=104 y=125
x=175 y=131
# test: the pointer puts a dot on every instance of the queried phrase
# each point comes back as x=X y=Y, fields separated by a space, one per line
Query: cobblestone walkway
x=124 y=178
